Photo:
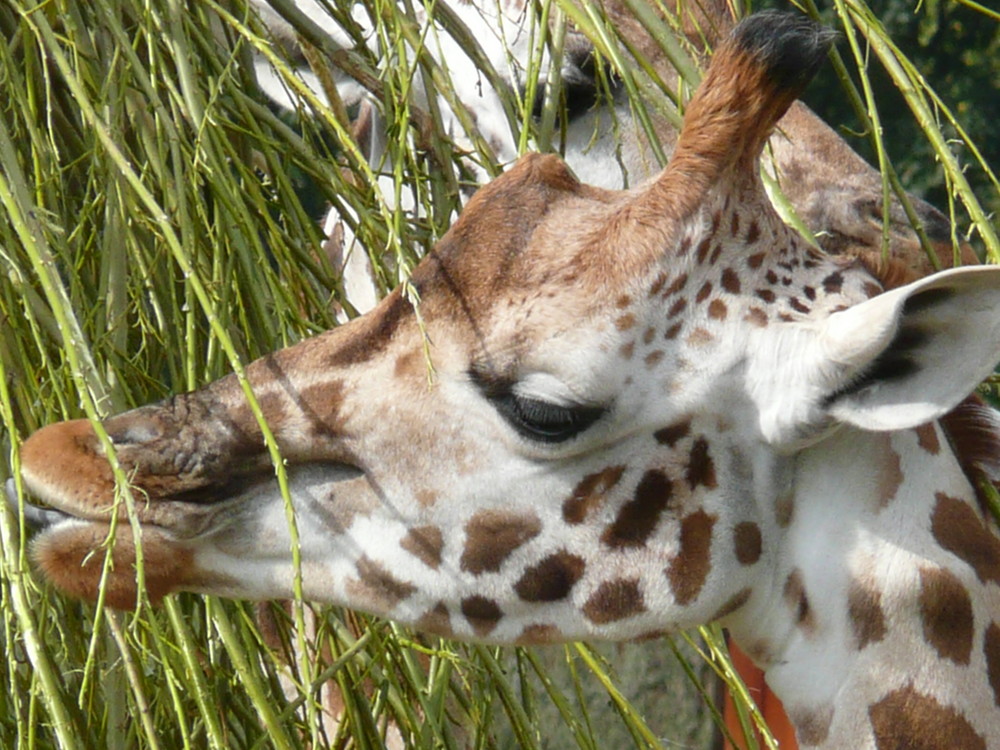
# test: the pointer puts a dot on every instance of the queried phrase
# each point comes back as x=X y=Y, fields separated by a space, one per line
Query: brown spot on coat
x=958 y=529
x=890 y=477
x=539 y=634
x=492 y=535
x=424 y=543
x=798 y=306
x=702 y=295
x=673 y=331
x=812 y=725
x=927 y=438
x=907 y=720
x=677 y=308
x=701 y=253
x=864 y=609
x=756 y=316
x=426 y=498
x=689 y=568
x=730 y=281
x=410 y=364
x=991 y=648
x=753 y=233
x=734 y=602
x=946 y=614
x=653 y=358
x=755 y=260
x=658 y=283
x=700 y=337
x=437 y=621
x=551 y=579
x=833 y=283
x=320 y=404
x=766 y=294
x=797 y=599
x=700 y=470
x=483 y=614
x=746 y=537
x=637 y=518
x=614 y=600
x=377 y=585
x=590 y=493
x=717 y=309
x=670 y=435
x=871 y=289
x=679 y=283
x=625 y=322
x=784 y=509
x=373 y=332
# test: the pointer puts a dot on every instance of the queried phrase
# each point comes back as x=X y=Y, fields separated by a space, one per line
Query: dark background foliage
x=957 y=50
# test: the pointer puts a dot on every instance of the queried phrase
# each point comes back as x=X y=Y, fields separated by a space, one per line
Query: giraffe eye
x=543 y=420
x=535 y=418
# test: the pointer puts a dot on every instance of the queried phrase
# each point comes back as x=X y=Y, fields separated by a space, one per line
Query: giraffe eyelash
x=534 y=418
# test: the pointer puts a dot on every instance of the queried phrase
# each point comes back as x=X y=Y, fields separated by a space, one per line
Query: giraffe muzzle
x=36 y=517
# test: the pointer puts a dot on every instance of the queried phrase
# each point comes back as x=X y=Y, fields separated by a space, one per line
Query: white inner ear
x=898 y=360
x=911 y=355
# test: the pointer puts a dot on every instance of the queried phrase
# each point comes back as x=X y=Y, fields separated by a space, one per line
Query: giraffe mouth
x=41 y=516
x=184 y=494
x=85 y=557
x=37 y=517
x=182 y=515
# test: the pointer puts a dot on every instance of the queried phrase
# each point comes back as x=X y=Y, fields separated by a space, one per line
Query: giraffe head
x=582 y=429
x=508 y=45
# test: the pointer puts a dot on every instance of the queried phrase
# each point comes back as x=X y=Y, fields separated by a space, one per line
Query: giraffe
x=672 y=411
x=836 y=193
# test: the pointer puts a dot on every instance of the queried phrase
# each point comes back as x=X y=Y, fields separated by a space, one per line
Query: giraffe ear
x=909 y=356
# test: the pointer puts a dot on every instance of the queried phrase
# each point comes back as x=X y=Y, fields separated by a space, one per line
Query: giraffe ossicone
x=651 y=409
x=836 y=194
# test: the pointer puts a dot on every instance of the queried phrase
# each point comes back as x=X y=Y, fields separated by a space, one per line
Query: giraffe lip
x=43 y=518
x=38 y=517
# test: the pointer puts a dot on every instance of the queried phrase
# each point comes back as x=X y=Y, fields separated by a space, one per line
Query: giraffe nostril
x=134 y=428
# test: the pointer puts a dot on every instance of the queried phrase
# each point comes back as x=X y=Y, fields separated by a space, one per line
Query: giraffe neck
x=882 y=619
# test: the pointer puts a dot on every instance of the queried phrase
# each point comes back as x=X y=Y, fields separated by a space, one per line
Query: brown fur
x=973 y=430
x=908 y=720
x=69 y=560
